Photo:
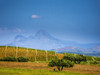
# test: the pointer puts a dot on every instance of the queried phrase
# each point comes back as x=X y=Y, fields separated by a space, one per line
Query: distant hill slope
x=94 y=51
x=79 y=50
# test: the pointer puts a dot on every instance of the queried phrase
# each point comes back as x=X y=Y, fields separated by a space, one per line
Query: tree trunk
x=58 y=68
x=61 y=68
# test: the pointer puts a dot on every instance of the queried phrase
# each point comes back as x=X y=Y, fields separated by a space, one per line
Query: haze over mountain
x=43 y=40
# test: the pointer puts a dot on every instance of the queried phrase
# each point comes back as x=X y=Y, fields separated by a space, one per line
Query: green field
x=14 y=71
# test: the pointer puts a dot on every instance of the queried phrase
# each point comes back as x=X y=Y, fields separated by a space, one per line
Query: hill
x=32 y=54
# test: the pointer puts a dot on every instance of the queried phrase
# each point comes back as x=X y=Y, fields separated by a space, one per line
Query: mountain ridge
x=43 y=40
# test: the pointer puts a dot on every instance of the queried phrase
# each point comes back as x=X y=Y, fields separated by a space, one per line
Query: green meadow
x=15 y=71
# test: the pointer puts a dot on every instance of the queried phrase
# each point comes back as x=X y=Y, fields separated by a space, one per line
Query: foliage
x=9 y=59
x=94 y=62
x=76 y=59
x=22 y=59
x=80 y=58
x=60 y=63
x=19 y=59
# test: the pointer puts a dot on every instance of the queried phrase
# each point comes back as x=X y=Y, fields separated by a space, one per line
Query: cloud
x=35 y=16
x=6 y=30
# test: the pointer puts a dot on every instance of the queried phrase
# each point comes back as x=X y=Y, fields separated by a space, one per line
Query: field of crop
x=33 y=68
x=32 y=54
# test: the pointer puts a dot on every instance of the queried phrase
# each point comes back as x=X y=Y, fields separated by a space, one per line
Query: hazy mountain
x=20 y=38
x=43 y=40
x=96 y=48
x=78 y=50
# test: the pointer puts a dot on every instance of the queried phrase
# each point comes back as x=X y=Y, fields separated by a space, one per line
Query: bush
x=76 y=59
x=1 y=59
x=94 y=62
x=60 y=64
x=84 y=63
x=9 y=59
x=19 y=59
x=22 y=59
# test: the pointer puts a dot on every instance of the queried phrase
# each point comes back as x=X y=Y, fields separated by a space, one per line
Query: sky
x=69 y=20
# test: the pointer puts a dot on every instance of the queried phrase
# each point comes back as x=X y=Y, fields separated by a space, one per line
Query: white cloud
x=35 y=16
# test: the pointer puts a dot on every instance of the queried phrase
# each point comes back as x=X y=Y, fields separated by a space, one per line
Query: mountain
x=43 y=40
x=42 y=34
x=96 y=48
x=19 y=38
x=78 y=50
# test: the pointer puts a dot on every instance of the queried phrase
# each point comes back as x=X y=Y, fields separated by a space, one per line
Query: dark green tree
x=76 y=59
x=60 y=64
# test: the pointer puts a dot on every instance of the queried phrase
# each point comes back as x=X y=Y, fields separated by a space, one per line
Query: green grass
x=14 y=71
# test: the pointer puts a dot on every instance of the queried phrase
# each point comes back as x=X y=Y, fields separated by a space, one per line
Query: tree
x=60 y=64
x=69 y=57
x=76 y=59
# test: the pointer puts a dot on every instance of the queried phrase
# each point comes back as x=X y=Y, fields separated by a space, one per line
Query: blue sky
x=70 y=20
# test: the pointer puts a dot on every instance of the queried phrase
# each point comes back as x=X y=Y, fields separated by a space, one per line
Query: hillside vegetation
x=32 y=54
x=36 y=54
x=88 y=58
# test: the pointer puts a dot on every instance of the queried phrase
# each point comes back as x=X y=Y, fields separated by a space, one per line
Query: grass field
x=41 y=68
x=13 y=71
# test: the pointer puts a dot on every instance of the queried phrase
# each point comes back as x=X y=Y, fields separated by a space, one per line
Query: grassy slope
x=41 y=54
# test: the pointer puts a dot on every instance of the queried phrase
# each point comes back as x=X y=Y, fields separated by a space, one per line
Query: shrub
x=60 y=64
x=76 y=59
x=84 y=63
x=9 y=59
x=94 y=62
x=22 y=59
x=1 y=59
x=69 y=57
